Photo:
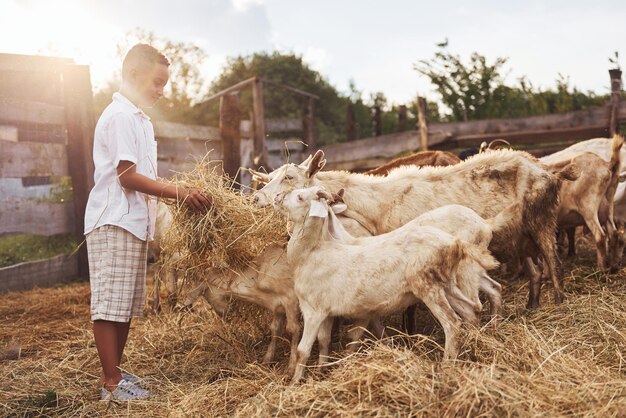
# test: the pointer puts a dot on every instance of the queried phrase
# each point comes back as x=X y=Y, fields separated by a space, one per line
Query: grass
x=20 y=248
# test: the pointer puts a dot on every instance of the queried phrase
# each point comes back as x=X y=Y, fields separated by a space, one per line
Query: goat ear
x=305 y=163
x=260 y=177
x=316 y=164
x=323 y=194
x=337 y=197
x=339 y=208
x=483 y=147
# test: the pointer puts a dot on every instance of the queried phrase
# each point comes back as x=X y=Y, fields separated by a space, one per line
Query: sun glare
x=60 y=28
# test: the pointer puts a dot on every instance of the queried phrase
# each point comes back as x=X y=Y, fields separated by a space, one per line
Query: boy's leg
x=117 y=262
x=122 y=336
x=107 y=343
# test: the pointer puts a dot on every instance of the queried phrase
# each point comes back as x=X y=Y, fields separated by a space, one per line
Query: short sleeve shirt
x=123 y=133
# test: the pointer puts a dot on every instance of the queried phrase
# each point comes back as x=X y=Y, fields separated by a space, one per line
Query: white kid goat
x=374 y=276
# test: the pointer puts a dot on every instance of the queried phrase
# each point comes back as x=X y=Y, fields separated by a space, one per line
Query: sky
x=376 y=44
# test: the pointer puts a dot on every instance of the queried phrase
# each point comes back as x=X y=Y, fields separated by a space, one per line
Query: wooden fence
x=46 y=126
x=46 y=167
x=46 y=138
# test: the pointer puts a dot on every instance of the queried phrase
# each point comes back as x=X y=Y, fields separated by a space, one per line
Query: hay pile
x=566 y=360
x=227 y=237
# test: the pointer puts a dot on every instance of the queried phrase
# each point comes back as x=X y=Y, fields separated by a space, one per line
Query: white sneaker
x=125 y=391
x=130 y=377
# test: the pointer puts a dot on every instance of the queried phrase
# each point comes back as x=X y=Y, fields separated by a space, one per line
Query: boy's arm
x=130 y=179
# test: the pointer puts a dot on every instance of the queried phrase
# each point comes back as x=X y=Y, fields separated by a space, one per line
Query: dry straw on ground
x=565 y=360
x=230 y=235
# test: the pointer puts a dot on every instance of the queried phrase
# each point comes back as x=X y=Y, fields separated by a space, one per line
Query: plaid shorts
x=117 y=270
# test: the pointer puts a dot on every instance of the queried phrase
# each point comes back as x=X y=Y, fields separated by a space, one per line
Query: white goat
x=487 y=183
x=583 y=200
x=371 y=277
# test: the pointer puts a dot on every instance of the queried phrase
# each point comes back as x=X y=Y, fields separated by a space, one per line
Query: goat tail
x=616 y=146
x=502 y=221
x=570 y=173
x=480 y=255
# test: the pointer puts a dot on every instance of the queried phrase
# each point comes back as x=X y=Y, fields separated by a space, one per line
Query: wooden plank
x=592 y=117
x=15 y=110
x=277 y=160
x=80 y=122
x=309 y=123
x=278 y=145
x=41 y=85
x=24 y=159
x=260 y=148
x=230 y=120
x=178 y=130
x=422 y=123
x=385 y=146
x=283 y=125
x=350 y=123
x=616 y=92
x=19 y=62
x=168 y=168
x=188 y=149
x=41 y=273
x=402 y=118
x=34 y=132
x=36 y=217
x=548 y=128
x=8 y=133
x=528 y=137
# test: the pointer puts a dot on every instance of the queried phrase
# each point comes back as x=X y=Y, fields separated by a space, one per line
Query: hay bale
x=227 y=237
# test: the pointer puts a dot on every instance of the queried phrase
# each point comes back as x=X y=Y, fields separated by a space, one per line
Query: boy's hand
x=195 y=200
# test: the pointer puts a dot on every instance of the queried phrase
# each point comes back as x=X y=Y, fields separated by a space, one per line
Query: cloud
x=243 y=5
x=317 y=58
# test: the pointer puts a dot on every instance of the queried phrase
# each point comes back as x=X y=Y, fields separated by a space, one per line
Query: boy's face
x=148 y=81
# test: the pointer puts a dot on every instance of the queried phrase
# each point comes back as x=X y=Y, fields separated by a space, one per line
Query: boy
x=120 y=217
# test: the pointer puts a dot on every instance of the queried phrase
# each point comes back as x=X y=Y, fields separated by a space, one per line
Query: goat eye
x=288 y=177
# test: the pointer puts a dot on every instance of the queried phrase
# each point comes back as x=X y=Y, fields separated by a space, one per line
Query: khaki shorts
x=117 y=270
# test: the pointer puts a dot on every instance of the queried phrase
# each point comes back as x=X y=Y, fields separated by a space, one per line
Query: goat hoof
x=532 y=304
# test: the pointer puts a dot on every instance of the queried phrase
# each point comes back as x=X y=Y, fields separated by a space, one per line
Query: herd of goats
x=429 y=228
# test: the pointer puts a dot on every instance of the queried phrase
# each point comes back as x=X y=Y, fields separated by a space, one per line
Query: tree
x=477 y=90
x=186 y=85
x=288 y=69
x=466 y=89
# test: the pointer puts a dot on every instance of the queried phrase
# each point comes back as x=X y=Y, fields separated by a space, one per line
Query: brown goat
x=419 y=159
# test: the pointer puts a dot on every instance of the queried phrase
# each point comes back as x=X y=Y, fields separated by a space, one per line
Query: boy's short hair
x=142 y=54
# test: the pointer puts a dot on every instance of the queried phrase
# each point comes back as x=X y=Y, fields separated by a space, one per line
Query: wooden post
x=616 y=92
x=401 y=118
x=260 y=147
x=422 y=123
x=79 y=120
x=378 y=126
x=230 y=119
x=309 y=123
x=350 y=123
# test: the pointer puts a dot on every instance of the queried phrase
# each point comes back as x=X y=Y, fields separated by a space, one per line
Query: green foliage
x=476 y=90
x=62 y=191
x=20 y=248
x=288 y=69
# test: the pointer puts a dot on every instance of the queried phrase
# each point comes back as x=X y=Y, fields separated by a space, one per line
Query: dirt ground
x=566 y=360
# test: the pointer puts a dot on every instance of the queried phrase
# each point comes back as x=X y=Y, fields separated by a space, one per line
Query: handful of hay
x=227 y=237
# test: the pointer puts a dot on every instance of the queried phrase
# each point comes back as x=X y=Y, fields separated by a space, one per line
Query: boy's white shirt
x=123 y=132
